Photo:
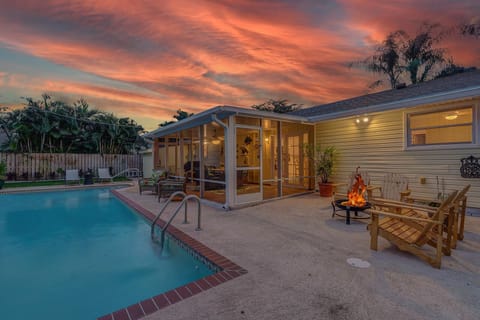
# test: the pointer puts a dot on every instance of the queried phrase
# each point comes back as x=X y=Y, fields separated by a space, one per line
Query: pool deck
x=296 y=258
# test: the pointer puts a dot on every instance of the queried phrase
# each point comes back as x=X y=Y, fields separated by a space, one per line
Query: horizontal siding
x=378 y=148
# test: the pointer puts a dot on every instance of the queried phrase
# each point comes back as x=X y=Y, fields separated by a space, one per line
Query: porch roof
x=221 y=112
x=460 y=86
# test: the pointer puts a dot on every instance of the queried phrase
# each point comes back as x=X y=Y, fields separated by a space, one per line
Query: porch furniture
x=104 y=174
x=192 y=175
x=456 y=223
x=147 y=185
x=88 y=178
x=150 y=184
x=394 y=187
x=168 y=186
x=71 y=175
x=411 y=227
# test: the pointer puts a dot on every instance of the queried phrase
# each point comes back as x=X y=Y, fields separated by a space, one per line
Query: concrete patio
x=295 y=254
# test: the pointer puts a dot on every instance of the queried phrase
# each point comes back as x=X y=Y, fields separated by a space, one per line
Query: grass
x=24 y=184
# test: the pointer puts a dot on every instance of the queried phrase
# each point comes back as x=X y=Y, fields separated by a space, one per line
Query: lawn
x=24 y=184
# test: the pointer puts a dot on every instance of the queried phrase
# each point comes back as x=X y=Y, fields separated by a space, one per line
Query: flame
x=355 y=195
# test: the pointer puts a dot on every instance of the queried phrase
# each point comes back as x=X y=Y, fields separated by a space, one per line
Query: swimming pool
x=81 y=254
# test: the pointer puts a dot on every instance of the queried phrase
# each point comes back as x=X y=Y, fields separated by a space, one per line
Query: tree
x=401 y=56
x=386 y=59
x=420 y=55
x=278 y=106
x=53 y=126
x=451 y=68
x=472 y=29
x=179 y=117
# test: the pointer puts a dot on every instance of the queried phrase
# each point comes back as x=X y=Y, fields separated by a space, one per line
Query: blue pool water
x=80 y=255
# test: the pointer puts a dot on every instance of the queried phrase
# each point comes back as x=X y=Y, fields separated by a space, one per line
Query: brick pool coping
x=228 y=270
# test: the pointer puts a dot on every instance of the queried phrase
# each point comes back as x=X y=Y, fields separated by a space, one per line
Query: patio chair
x=410 y=227
x=151 y=184
x=456 y=223
x=104 y=174
x=394 y=187
x=168 y=186
x=71 y=175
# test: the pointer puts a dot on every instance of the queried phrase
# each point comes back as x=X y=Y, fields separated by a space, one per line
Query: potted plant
x=3 y=172
x=324 y=160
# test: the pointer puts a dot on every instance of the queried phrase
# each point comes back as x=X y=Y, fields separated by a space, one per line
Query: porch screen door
x=248 y=164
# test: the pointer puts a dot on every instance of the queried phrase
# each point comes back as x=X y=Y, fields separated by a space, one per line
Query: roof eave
x=222 y=112
x=412 y=102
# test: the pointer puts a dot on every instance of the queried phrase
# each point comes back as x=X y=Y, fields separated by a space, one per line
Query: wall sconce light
x=362 y=119
x=266 y=140
x=452 y=116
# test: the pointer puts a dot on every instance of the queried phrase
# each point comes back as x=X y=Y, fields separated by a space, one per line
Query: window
x=452 y=126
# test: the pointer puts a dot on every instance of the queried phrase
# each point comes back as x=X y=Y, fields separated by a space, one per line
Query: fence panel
x=52 y=166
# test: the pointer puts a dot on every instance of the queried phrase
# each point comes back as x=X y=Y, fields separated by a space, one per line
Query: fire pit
x=343 y=205
x=356 y=201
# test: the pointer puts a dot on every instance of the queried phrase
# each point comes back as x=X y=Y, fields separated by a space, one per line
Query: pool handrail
x=183 y=202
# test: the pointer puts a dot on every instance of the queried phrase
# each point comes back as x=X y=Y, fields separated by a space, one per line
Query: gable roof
x=462 y=85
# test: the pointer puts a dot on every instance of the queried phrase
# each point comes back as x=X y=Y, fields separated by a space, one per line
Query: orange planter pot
x=326 y=189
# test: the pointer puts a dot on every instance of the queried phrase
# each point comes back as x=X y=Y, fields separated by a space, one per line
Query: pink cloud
x=197 y=54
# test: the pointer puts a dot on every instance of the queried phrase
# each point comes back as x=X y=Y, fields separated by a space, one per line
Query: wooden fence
x=52 y=166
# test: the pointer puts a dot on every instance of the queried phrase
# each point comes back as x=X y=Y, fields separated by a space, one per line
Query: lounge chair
x=394 y=187
x=71 y=175
x=104 y=174
x=456 y=222
x=410 y=227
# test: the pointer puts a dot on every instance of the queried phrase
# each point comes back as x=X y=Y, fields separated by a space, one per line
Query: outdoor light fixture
x=452 y=116
x=363 y=119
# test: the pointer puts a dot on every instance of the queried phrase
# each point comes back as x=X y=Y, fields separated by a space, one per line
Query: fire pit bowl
x=341 y=205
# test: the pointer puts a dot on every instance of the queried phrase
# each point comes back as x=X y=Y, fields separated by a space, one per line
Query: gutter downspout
x=228 y=161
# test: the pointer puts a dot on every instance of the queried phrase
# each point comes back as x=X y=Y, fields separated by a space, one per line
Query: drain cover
x=358 y=263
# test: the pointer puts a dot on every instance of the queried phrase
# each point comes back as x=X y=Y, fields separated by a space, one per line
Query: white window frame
x=475 y=127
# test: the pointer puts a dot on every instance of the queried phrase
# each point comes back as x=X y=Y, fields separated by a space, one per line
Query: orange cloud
x=149 y=59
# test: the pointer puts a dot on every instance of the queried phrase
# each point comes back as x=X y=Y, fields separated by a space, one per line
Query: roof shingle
x=452 y=83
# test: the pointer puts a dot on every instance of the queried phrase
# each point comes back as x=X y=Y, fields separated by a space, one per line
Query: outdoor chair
x=410 y=227
x=71 y=175
x=456 y=224
x=104 y=174
x=151 y=184
x=394 y=187
x=170 y=185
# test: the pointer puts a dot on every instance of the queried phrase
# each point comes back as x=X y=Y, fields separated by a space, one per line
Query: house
x=243 y=156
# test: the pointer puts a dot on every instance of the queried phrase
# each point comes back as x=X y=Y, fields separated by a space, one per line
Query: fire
x=355 y=195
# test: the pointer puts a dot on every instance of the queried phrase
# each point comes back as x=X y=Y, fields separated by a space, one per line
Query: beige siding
x=378 y=147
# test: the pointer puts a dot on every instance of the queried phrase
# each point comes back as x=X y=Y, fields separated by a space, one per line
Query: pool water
x=80 y=255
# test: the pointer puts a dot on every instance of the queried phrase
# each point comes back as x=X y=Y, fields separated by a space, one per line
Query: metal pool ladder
x=182 y=203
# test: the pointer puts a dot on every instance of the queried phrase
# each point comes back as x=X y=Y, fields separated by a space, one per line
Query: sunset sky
x=146 y=59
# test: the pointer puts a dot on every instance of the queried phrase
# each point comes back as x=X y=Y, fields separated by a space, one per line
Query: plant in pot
x=3 y=173
x=324 y=160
